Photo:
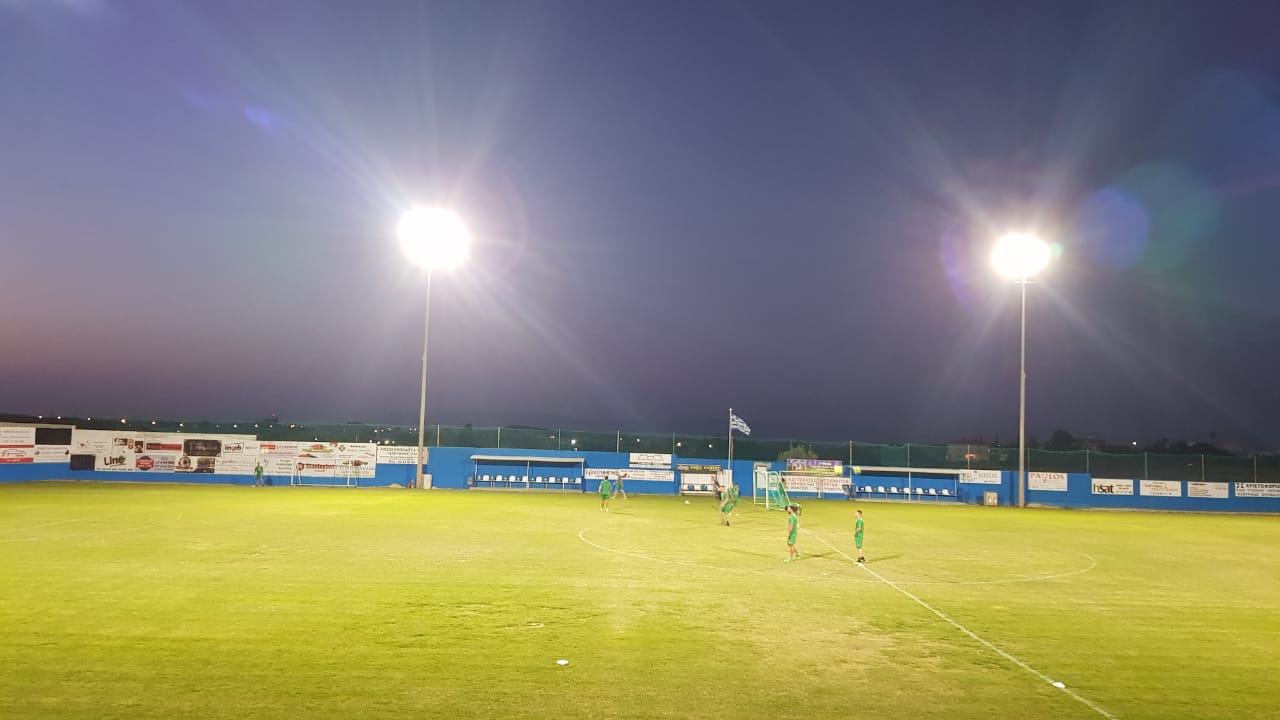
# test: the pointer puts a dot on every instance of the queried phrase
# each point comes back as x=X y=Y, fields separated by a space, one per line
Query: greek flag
x=737 y=423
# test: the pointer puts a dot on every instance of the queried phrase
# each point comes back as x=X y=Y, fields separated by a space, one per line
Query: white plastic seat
x=946 y=492
x=933 y=492
x=893 y=489
x=880 y=489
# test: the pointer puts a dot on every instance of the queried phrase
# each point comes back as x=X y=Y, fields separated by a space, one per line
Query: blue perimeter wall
x=451 y=468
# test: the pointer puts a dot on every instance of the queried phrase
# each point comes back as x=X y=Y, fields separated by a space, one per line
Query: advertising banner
x=1105 y=486
x=136 y=451
x=1057 y=482
x=1258 y=490
x=17 y=444
x=980 y=477
x=1207 y=490
x=53 y=453
x=335 y=460
x=1160 y=488
x=401 y=454
x=630 y=474
x=824 y=484
x=652 y=460
x=700 y=469
x=829 y=468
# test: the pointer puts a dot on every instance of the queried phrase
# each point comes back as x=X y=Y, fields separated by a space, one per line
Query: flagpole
x=730 y=444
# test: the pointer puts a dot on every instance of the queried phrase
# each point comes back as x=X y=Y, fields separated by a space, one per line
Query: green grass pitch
x=168 y=601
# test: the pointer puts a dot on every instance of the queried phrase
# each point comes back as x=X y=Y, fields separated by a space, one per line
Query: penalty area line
x=983 y=641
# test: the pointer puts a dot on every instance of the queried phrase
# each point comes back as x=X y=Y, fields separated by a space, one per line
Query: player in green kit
x=793 y=529
x=857 y=537
x=726 y=506
x=605 y=488
x=733 y=497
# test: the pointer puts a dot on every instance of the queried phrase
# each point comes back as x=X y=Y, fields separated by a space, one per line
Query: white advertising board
x=980 y=477
x=17 y=444
x=136 y=451
x=1106 y=486
x=1207 y=490
x=651 y=460
x=400 y=454
x=1056 y=482
x=1258 y=490
x=1160 y=488
x=630 y=474
x=824 y=484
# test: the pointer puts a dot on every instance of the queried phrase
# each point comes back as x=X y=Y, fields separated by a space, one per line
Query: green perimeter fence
x=1141 y=465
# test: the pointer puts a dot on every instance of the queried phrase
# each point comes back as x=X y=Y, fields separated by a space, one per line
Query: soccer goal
x=324 y=475
x=771 y=491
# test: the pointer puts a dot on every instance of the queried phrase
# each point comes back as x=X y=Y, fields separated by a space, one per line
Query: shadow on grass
x=879 y=558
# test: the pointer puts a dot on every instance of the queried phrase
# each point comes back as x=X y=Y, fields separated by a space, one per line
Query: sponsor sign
x=830 y=468
x=1056 y=482
x=1206 y=490
x=150 y=452
x=400 y=454
x=1160 y=488
x=824 y=484
x=630 y=474
x=17 y=436
x=980 y=477
x=1105 y=486
x=334 y=459
x=700 y=469
x=17 y=444
x=653 y=460
x=1258 y=490
x=53 y=453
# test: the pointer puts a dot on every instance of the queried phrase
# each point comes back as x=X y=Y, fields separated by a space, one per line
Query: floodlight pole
x=1022 y=403
x=422 y=398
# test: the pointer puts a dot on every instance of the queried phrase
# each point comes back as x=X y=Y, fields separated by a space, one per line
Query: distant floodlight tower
x=433 y=239
x=1019 y=257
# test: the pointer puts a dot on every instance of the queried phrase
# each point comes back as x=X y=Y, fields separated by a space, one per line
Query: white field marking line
x=130 y=528
x=989 y=645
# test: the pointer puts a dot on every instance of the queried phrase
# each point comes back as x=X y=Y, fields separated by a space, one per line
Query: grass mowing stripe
x=991 y=646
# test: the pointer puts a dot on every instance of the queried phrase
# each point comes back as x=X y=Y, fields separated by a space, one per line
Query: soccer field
x=168 y=601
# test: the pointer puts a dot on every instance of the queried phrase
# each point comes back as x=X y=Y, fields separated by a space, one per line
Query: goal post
x=324 y=474
x=772 y=493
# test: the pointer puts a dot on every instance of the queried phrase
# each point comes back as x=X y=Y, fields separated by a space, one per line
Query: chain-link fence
x=1141 y=465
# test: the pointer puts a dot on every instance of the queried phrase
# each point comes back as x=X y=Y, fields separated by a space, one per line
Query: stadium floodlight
x=433 y=239
x=1019 y=257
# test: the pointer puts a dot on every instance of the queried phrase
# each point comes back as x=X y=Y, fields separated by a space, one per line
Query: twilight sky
x=678 y=207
